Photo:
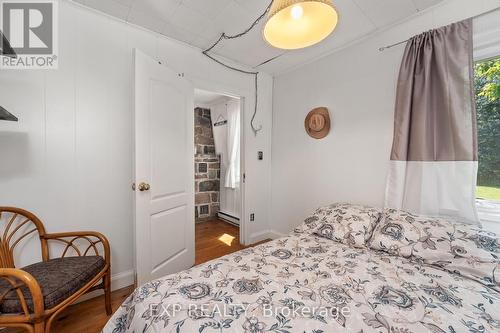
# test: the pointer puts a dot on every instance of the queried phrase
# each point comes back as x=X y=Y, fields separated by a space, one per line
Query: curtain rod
x=404 y=41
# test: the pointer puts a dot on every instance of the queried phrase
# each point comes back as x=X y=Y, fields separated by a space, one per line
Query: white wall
x=230 y=199
x=357 y=84
x=69 y=158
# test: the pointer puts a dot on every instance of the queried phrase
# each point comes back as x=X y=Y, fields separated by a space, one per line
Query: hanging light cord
x=222 y=37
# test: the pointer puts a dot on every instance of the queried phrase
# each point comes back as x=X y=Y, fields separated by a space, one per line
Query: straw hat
x=317 y=123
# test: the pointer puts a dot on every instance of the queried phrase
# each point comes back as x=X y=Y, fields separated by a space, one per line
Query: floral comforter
x=303 y=283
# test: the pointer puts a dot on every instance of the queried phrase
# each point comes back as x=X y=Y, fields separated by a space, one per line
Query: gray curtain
x=434 y=153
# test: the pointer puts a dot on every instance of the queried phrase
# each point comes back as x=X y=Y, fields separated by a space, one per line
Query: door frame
x=243 y=96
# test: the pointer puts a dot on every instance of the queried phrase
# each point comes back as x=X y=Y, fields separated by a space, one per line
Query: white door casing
x=164 y=159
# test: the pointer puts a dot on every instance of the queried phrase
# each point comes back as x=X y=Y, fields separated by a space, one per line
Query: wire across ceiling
x=224 y=36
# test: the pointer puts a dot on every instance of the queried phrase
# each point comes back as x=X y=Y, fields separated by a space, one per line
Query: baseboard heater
x=228 y=218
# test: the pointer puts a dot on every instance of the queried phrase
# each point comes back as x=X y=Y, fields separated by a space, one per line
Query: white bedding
x=255 y=291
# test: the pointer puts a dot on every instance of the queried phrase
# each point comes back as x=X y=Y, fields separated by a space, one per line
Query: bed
x=347 y=268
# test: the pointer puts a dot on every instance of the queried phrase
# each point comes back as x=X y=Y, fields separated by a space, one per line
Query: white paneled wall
x=70 y=157
x=229 y=198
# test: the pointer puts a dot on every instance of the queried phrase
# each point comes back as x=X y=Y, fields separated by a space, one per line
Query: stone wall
x=203 y=133
x=207 y=184
x=207 y=167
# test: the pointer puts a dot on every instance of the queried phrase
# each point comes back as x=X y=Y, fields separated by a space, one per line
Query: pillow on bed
x=342 y=222
x=459 y=248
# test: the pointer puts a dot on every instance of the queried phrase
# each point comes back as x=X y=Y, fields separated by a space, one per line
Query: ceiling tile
x=179 y=33
x=255 y=8
x=249 y=49
x=209 y=9
x=385 y=12
x=424 y=4
x=203 y=42
x=236 y=18
x=159 y=9
x=110 y=7
x=127 y=3
x=200 y=23
x=352 y=25
x=146 y=20
x=192 y=21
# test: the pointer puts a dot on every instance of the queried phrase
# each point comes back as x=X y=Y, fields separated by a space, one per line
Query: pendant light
x=295 y=24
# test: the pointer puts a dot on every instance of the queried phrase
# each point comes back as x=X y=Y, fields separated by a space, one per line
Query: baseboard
x=273 y=234
x=266 y=234
x=229 y=218
x=118 y=281
x=123 y=279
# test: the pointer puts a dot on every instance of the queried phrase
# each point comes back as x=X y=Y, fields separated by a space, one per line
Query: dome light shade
x=295 y=24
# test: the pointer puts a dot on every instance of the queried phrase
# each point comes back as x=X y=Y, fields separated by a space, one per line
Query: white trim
x=273 y=234
x=488 y=210
x=244 y=96
x=242 y=223
x=122 y=280
x=228 y=218
x=118 y=281
x=266 y=234
x=487 y=36
x=487 y=45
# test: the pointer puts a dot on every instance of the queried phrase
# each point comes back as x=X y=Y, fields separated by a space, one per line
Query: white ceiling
x=200 y=23
x=204 y=98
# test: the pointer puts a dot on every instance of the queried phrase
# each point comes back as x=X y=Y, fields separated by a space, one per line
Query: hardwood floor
x=85 y=317
x=214 y=239
x=89 y=316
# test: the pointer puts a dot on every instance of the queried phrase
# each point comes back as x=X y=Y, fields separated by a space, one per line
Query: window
x=487 y=87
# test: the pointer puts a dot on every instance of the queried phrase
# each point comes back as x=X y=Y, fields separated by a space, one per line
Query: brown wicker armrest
x=18 y=279
x=92 y=237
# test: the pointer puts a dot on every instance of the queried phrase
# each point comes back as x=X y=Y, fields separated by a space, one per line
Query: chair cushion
x=58 y=279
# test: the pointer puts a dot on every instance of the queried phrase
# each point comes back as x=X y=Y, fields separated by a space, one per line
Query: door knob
x=144 y=187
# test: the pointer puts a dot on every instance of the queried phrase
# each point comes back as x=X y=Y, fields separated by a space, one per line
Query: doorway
x=218 y=180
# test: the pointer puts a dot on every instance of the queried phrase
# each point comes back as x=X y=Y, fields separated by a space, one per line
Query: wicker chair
x=32 y=297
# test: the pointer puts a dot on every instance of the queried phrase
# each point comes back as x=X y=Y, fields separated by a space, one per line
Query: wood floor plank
x=90 y=316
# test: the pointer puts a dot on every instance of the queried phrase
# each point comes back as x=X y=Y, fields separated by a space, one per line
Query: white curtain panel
x=232 y=177
x=445 y=189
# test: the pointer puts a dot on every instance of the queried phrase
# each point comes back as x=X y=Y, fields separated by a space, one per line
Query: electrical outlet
x=252 y=217
x=260 y=155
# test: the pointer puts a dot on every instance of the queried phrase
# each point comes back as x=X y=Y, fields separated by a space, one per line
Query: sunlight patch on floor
x=226 y=239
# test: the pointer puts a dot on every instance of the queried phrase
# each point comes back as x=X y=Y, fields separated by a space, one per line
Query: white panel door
x=164 y=170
